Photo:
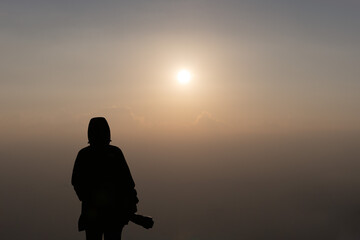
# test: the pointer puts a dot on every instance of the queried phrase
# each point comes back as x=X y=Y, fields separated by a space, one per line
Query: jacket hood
x=99 y=131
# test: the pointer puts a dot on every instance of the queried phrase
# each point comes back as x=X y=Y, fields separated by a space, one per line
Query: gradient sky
x=262 y=143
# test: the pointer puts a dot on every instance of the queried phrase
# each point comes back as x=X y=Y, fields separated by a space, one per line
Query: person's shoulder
x=83 y=154
x=114 y=148
x=84 y=150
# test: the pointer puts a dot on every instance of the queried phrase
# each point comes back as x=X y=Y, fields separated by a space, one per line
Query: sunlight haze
x=238 y=119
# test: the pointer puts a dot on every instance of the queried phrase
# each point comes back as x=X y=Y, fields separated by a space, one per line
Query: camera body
x=144 y=221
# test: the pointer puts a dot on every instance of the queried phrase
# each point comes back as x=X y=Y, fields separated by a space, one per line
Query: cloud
x=127 y=112
x=138 y=118
x=206 y=119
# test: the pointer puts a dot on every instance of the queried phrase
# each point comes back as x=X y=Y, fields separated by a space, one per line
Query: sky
x=263 y=142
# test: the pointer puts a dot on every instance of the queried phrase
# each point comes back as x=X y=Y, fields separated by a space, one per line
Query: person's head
x=99 y=131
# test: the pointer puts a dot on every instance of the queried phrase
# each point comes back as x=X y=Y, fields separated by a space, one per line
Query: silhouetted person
x=103 y=183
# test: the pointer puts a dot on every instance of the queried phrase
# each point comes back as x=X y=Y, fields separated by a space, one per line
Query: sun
x=184 y=76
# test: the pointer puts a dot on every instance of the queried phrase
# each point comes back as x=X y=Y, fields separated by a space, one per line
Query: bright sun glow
x=184 y=76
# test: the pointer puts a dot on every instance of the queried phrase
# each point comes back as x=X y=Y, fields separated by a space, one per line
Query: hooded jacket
x=103 y=182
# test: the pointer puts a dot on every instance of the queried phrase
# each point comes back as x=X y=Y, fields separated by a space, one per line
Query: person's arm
x=77 y=179
x=127 y=184
x=144 y=221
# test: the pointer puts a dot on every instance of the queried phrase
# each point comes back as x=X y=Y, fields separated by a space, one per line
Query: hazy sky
x=262 y=143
